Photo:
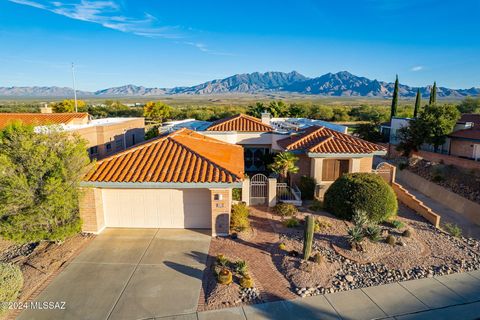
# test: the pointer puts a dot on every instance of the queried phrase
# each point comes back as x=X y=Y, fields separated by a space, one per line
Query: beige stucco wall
x=366 y=164
x=101 y=135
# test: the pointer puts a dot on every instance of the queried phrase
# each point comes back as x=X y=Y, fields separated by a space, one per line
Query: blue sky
x=176 y=43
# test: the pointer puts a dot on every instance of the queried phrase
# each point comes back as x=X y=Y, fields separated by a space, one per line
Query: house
x=258 y=137
x=104 y=136
x=465 y=140
x=325 y=154
x=181 y=179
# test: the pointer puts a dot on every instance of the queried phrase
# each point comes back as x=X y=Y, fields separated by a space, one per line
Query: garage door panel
x=157 y=208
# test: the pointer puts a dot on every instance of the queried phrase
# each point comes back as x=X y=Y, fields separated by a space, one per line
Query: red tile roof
x=240 y=122
x=472 y=133
x=182 y=156
x=317 y=139
x=40 y=118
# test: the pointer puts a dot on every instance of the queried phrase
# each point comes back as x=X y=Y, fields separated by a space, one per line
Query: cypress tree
x=418 y=102
x=433 y=94
x=393 y=109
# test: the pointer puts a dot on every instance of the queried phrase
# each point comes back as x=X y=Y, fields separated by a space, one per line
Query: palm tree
x=284 y=163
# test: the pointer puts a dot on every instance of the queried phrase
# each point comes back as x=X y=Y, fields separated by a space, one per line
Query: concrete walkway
x=455 y=296
x=130 y=274
x=448 y=215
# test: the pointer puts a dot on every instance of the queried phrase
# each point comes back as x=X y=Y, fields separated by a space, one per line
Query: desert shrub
x=390 y=240
x=453 y=229
x=321 y=225
x=307 y=187
x=285 y=209
x=407 y=233
x=361 y=191
x=316 y=205
x=246 y=281
x=360 y=218
x=291 y=223
x=222 y=260
x=239 y=218
x=397 y=224
x=237 y=194
x=372 y=232
x=355 y=235
x=11 y=282
x=241 y=267
x=319 y=258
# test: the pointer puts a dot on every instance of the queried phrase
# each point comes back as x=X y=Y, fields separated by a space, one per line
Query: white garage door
x=157 y=208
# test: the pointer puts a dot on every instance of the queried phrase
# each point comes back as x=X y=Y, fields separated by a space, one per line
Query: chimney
x=45 y=109
x=266 y=117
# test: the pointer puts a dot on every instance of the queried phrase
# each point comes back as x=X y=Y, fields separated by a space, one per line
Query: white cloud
x=416 y=68
x=107 y=14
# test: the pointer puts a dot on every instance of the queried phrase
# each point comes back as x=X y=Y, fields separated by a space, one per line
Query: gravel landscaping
x=427 y=252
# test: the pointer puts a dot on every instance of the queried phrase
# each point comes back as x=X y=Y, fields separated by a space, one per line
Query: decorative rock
x=349 y=278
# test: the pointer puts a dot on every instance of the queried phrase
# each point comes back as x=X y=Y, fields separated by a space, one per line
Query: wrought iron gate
x=258 y=189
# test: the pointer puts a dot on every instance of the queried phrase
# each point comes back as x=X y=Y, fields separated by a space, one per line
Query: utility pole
x=74 y=89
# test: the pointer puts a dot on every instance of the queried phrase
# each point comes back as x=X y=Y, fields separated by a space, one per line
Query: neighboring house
x=326 y=154
x=465 y=140
x=179 y=180
x=104 y=136
x=258 y=137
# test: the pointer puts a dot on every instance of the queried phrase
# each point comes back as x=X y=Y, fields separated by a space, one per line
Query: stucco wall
x=304 y=163
x=101 y=135
x=366 y=164
x=464 y=207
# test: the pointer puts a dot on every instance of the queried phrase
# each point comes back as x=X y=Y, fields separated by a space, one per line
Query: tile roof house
x=325 y=154
x=465 y=140
x=104 y=136
x=179 y=180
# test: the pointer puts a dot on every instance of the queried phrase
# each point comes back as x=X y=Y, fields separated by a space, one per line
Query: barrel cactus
x=308 y=236
x=246 y=281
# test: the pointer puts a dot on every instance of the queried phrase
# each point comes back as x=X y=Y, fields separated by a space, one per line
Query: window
x=133 y=139
x=332 y=169
x=108 y=146
x=93 y=151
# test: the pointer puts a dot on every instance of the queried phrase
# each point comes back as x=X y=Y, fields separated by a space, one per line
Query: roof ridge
x=210 y=139
x=328 y=138
x=319 y=128
x=235 y=117
x=206 y=159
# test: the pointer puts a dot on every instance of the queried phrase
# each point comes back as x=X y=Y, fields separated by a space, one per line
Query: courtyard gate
x=258 y=189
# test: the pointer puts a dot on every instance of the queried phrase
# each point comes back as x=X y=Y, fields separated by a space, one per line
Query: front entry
x=258 y=189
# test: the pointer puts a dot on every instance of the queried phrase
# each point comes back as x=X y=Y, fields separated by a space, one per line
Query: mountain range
x=340 y=84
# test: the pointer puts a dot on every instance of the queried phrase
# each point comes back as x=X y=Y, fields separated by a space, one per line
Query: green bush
x=361 y=191
x=453 y=229
x=237 y=194
x=316 y=205
x=291 y=223
x=285 y=209
x=241 y=267
x=307 y=187
x=11 y=282
x=397 y=224
x=239 y=218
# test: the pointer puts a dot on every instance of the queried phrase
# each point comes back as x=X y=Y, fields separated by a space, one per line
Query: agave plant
x=355 y=235
x=372 y=232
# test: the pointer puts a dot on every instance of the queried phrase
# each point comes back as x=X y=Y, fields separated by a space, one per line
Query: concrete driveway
x=130 y=274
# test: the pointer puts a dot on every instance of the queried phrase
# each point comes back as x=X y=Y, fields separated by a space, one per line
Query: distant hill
x=340 y=84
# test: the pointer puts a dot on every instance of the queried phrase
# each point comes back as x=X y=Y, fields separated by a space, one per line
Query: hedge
x=361 y=191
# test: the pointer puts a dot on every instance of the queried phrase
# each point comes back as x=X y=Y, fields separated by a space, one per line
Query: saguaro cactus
x=308 y=236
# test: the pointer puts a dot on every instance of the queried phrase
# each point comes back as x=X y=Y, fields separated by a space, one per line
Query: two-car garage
x=157 y=208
